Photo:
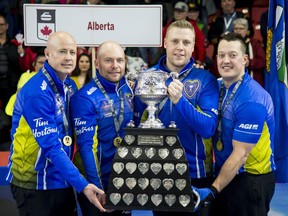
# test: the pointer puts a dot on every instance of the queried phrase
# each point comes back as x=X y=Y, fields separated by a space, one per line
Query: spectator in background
x=254 y=50
x=6 y=11
x=193 y=15
x=180 y=12
x=223 y=23
x=37 y=64
x=82 y=74
x=26 y=54
x=9 y=64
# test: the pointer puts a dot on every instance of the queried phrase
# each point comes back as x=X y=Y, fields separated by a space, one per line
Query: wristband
x=214 y=191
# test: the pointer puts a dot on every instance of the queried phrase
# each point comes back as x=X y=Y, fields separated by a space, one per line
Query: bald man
x=42 y=175
x=100 y=110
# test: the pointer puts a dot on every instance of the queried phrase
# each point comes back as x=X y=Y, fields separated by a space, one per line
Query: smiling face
x=110 y=61
x=84 y=63
x=228 y=6
x=61 y=53
x=179 y=45
x=231 y=61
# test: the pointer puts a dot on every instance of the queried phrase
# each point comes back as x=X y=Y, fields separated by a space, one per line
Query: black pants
x=88 y=209
x=60 y=202
x=199 y=183
x=246 y=195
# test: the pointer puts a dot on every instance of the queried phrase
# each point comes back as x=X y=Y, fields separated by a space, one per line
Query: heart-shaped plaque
x=118 y=182
x=155 y=183
x=129 y=139
x=143 y=167
x=128 y=198
x=171 y=140
x=122 y=151
x=143 y=183
x=184 y=200
x=150 y=152
x=177 y=153
x=136 y=152
x=118 y=167
x=142 y=199
x=170 y=199
x=168 y=183
x=131 y=167
x=156 y=199
x=168 y=168
x=180 y=184
x=115 y=198
x=130 y=182
x=181 y=168
x=163 y=153
x=156 y=168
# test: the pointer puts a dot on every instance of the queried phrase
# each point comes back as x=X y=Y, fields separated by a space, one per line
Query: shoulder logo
x=43 y=85
x=91 y=90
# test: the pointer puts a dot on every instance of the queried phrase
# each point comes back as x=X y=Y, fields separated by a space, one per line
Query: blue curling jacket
x=195 y=115
x=95 y=129
x=248 y=118
x=38 y=158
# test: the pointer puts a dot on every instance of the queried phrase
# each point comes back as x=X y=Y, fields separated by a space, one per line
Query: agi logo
x=249 y=126
x=46 y=24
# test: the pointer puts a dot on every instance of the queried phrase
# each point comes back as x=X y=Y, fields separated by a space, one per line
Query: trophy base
x=150 y=172
x=152 y=124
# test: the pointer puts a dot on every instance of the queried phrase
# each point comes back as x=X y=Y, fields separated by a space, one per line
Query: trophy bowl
x=151 y=90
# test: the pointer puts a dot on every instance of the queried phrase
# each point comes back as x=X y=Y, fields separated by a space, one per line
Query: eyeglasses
x=2 y=24
x=239 y=28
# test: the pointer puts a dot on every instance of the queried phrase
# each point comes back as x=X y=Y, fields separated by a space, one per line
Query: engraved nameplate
x=150 y=140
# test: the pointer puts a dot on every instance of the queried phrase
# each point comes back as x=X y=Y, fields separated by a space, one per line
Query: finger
x=99 y=191
x=98 y=205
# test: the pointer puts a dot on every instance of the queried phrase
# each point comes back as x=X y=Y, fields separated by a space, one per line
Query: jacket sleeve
x=39 y=112
x=84 y=118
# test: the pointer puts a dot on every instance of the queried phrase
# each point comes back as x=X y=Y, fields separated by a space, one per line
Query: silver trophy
x=151 y=90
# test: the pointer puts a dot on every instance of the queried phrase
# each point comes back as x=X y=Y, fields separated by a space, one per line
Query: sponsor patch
x=191 y=87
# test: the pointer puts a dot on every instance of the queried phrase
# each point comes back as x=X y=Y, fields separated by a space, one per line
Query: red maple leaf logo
x=46 y=31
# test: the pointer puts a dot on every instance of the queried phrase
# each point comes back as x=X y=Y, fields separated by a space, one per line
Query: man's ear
x=246 y=60
x=46 y=52
x=165 y=42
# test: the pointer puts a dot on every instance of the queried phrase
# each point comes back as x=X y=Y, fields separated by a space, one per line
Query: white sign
x=129 y=25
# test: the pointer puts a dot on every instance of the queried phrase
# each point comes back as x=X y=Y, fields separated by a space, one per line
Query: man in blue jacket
x=244 y=142
x=100 y=110
x=41 y=171
x=192 y=103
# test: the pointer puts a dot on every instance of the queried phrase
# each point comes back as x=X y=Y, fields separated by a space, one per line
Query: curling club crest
x=46 y=23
